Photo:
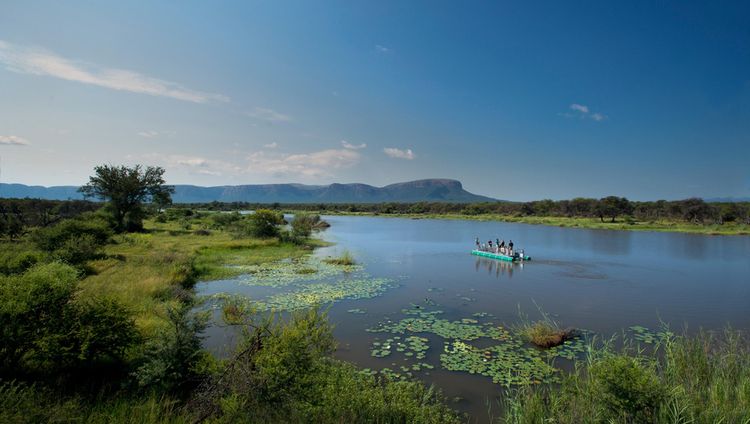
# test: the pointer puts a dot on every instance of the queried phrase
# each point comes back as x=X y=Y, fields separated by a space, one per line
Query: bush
x=44 y=330
x=171 y=361
x=18 y=259
x=628 y=387
x=225 y=220
x=77 y=250
x=264 y=223
x=55 y=237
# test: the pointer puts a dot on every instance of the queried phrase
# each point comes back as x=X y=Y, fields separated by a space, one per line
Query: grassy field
x=146 y=271
x=593 y=223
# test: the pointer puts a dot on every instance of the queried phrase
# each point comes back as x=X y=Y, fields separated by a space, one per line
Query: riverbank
x=590 y=223
x=141 y=357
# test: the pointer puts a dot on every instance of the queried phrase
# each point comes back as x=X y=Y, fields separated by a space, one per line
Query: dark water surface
x=603 y=281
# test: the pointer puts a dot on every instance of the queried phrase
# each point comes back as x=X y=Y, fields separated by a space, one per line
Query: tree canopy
x=126 y=189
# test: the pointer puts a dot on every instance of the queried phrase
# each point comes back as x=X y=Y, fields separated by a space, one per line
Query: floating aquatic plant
x=648 y=336
x=509 y=361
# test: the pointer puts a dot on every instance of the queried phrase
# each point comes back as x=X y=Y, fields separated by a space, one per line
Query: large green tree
x=126 y=189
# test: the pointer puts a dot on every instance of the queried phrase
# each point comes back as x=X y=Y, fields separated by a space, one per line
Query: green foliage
x=264 y=223
x=345 y=259
x=55 y=237
x=700 y=379
x=126 y=189
x=171 y=359
x=74 y=241
x=627 y=387
x=44 y=330
x=225 y=220
x=17 y=258
x=282 y=372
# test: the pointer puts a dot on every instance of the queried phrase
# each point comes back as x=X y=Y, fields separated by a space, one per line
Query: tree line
x=607 y=209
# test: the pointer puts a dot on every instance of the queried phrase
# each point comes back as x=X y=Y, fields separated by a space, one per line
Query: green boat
x=516 y=256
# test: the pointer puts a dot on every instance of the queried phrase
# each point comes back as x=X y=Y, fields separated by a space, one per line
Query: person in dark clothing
x=510 y=246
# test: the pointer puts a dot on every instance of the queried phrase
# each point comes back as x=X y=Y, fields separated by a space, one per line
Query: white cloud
x=13 y=140
x=271 y=145
x=267 y=115
x=190 y=161
x=580 y=108
x=150 y=134
x=583 y=112
x=382 y=49
x=315 y=164
x=42 y=62
x=209 y=172
x=398 y=153
x=351 y=146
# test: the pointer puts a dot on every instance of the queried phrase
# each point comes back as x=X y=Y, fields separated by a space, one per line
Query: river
x=602 y=281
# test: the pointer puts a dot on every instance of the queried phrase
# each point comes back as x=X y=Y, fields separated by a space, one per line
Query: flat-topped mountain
x=431 y=190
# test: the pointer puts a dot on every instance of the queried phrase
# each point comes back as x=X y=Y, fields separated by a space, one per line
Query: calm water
x=603 y=281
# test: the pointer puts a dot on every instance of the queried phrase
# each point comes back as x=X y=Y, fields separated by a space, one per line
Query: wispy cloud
x=14 y=140
x=191 y=164
x=267 y=115
x=351 y=146
x=37 y=61
x=579 y=108
x=398 y=153
x=580 y=111
x=382 y=49
x=271 y=145
x=154 y=134
x=314 y=164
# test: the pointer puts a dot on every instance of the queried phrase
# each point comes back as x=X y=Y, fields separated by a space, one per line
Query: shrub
x=627 y=386
x=55 y=237
x=19 y=259
x=44 y=330
x=77 y=250
x=225 y=220
x=171 y=359
x=264 y=223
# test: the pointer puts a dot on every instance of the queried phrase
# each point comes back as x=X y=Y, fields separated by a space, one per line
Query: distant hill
x=432 y=190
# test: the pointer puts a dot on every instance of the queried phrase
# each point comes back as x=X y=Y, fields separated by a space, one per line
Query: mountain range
x=430 y=190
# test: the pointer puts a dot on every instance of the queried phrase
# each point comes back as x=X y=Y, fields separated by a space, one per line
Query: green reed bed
x=700 y=379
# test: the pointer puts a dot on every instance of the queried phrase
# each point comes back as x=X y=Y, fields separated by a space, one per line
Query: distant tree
x=264 y=223
x=696 y=210
x=612 y=206
x=126 y=189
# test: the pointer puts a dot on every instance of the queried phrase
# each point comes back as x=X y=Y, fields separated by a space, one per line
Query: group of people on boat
x=499 y=247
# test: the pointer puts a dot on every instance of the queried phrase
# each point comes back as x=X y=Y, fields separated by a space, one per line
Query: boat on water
x=517 y=256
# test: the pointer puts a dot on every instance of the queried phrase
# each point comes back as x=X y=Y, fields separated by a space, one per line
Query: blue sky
x=519 y=101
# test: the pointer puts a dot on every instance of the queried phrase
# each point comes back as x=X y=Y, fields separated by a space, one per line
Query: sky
x=517 y=100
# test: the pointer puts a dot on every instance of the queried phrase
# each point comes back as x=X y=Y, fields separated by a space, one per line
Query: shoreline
x=564 y=222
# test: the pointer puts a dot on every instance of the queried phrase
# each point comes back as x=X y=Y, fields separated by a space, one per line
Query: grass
x=346 y=258
x=544 y=333
x=147 y=271
x=729 y=228
x=700 y=379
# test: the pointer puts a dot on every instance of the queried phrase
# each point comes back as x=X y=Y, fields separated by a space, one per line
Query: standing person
x=489 y=244
x=510 y=246
x=502 y=247
x=478 y=244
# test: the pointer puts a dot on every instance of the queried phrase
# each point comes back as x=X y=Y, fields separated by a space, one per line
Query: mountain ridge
x=426 y=190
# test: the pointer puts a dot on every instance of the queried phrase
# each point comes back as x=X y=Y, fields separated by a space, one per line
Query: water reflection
x=603 y=241
x=497 y=268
